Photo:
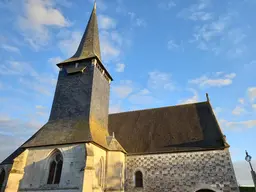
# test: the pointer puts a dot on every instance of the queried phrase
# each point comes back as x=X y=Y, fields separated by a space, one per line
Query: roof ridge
x=172 y=106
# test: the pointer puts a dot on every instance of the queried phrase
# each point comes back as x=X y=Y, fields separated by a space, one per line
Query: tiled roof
x=169 y=129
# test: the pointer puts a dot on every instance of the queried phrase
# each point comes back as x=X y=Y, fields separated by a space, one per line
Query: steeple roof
x=89 y=46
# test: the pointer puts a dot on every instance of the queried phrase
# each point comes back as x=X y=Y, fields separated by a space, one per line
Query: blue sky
x=159 y=54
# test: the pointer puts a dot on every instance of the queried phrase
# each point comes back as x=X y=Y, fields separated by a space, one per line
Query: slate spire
x=89 y=46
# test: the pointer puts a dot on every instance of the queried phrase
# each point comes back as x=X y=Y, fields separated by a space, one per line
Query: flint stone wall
x=182 y=172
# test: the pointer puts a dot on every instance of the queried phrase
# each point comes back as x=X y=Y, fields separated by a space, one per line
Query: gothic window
x=138 y=179
x=101 y=172
x=55 y=168
x=2 y=175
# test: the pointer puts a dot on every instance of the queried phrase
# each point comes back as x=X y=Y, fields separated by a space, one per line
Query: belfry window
x=2 y=176
x=138 y=179
x=55 y=168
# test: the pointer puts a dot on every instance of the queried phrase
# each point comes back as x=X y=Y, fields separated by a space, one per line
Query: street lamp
x=248 y=158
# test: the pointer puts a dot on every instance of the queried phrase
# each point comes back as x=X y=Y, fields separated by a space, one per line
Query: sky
x=159 y=53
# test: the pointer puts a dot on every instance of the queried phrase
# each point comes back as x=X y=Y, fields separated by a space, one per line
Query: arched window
x=55 y=168
x=2 y=176
x=138 y=179
x=101 y=172
x=205 y=190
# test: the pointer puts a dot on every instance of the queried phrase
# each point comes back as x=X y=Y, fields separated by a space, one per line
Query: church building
x=83 y=148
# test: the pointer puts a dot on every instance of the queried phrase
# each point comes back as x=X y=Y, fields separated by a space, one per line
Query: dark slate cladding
x=73 y=93
x=90 y=45
x=79 y=112
x=169 y=129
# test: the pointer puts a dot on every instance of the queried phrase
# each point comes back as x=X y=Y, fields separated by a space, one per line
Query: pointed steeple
x=89 y=46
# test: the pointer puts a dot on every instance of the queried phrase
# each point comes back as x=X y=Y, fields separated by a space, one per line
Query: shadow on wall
x=36 y=174
x=2 y=178
x=115 y=177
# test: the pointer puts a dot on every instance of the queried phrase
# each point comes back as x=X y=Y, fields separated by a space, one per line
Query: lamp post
x=248 y=158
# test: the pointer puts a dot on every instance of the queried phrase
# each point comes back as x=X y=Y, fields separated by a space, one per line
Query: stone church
x=83 y=148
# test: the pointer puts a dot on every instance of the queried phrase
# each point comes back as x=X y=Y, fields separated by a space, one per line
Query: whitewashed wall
x=182 y=172
x=37 y=168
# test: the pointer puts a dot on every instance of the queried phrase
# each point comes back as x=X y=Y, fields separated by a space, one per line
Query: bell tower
x=83 y=84
x=80 y=106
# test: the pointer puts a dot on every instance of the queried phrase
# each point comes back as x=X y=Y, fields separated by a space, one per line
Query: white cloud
x=168 y=5
x=160 y=80
x=205 y=35
x=137 y=21
x=201 y=15
x=69 y=42
x=40 y=107
x=17 y=68
x=143 y=97
x=38 y=16
x=218 y=110
x=106 y=22
x=205 y=81
x=254 y=106
x=120 y=67
x=241 y=101
x=192 y=99
x=54 y=61
x=116 y=108
x=18 y=127
x=197 y=11
x=252 y=93
x=238 y=110
x=239 y=125
x=132 y=15
x=123 y=90
x=219 y=73
x=29 y=77
x=140 y=22
x=110 y=45
x=221 y=29
x=10 y=48
x=172 y=44
x=33 y=85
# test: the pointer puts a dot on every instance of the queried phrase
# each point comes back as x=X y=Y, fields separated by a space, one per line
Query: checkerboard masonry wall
x=182 y=172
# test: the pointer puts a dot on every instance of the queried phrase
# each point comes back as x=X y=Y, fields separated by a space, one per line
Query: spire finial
x=94 y=6
x=207 y=97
